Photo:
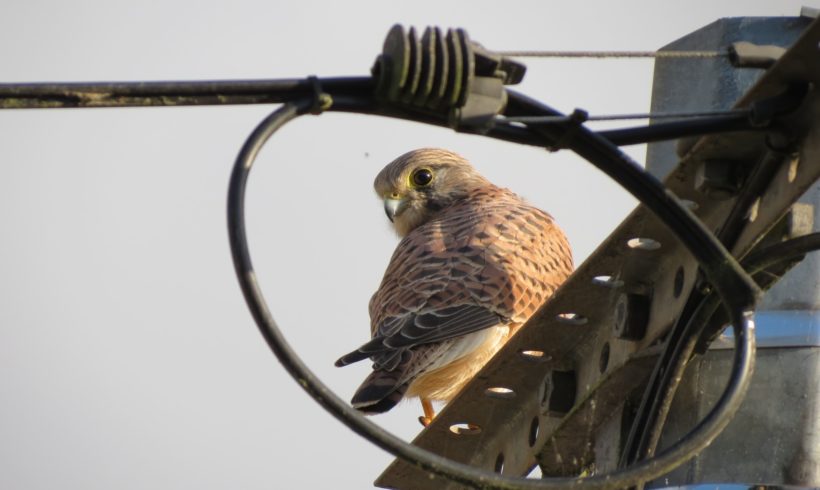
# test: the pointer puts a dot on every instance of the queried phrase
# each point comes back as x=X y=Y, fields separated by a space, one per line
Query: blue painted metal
x=730 y=486
x=780 y=328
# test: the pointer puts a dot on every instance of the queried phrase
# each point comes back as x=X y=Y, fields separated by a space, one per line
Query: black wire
x=775 y=254
x=223 y=92
x=766 y=265
x=620 y=117
x=679 y=129
x=645 y=195
x=758 y=262
x=692 y=332
x=672 y=457
x=699 y=312
x=716 y=261
x=355 y=95
x=273 y=335
x=718 y=122
x=754 y=186
x=173 y=93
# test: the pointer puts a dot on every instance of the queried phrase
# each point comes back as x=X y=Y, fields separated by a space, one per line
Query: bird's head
x=420 y=183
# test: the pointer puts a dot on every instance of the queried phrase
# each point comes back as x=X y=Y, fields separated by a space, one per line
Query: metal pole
x=775 y=437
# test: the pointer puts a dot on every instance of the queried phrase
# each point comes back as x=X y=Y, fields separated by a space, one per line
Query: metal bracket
x=747 y=55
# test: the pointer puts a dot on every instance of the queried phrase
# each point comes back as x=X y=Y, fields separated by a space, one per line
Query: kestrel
x=474 y=263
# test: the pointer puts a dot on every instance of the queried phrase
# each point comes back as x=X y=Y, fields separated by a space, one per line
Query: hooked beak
x=392 y=207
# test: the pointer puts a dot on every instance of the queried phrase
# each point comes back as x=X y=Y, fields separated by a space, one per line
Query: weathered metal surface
x=710 y=84
x=640 y=257
x=775 y=437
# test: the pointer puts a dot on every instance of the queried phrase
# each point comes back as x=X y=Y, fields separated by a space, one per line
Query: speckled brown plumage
x=475 y=263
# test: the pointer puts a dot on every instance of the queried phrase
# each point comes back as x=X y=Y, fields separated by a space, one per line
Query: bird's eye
x=422 y=177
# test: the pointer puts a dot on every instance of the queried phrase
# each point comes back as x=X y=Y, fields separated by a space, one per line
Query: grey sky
x=127 y=356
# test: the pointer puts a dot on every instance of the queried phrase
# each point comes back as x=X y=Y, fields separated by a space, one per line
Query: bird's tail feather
x=379 y=392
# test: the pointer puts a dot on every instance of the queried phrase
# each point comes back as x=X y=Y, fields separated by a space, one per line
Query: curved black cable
x=767 y=265
x=758 y=262
x=778 y=253
x=670 y=356
x=607 y=157
x=693 y=331
x=723 y=270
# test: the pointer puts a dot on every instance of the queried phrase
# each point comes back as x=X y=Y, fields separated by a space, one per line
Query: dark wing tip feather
x=350 y=358
x=375 y=346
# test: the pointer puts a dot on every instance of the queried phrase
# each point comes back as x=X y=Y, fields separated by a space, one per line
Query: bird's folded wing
x=423 y=328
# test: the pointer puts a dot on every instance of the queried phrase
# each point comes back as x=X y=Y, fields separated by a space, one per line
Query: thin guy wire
x=615 y=117
x=614 y=54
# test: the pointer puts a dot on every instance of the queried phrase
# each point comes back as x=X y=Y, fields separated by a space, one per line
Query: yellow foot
x=429 y=413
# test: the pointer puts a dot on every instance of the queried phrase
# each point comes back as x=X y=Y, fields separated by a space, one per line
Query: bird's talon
x=424 y=421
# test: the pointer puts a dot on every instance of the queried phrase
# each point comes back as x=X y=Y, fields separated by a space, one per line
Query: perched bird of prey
x=474 y=263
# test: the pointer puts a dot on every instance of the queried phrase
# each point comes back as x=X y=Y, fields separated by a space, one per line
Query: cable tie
x=322 y=100
x=573 y=122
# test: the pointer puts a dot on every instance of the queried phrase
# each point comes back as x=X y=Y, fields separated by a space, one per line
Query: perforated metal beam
x=592 y=344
